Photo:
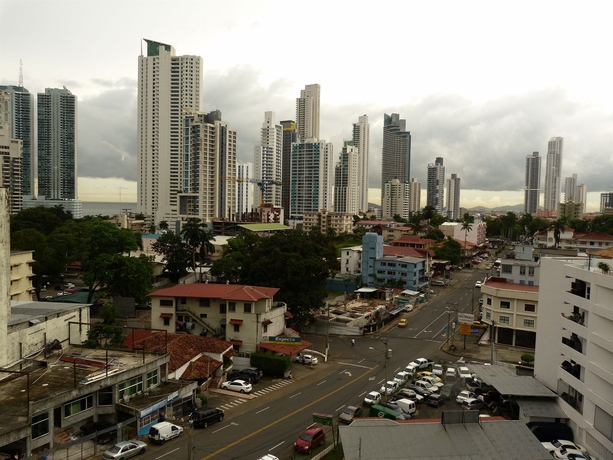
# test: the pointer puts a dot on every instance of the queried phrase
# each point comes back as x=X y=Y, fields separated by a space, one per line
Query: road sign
x=465 y=329
x=324 y=419
x=466 y=318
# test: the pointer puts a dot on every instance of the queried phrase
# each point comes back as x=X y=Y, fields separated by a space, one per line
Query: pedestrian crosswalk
x=264 y=391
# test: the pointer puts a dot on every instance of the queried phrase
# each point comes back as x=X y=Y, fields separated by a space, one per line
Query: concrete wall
x=5 y=271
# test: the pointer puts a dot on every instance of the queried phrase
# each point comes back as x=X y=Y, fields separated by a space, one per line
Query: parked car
x=464 y=373
x=548 y=431
x=473 y=404
x=437 y=369
x=410 y=394
x=377 y=410
x=437 y=283
x=306 y=359
x=411 y=368
x=237 y=385
x=433 y=380
x=478 y=284
x=426 y=386
x=563 y=444
x=464 y=395
x=402 y=378
x=450 y=373
x=256 y=373
x=403 y=322
x=125 y=449
x=390 y=387
x=350 y=413
x=435 y=400
x=201 y=418
x=419 y=390
x=163 y=431
x=424 y=363
x=310 y=439
x=371 y=398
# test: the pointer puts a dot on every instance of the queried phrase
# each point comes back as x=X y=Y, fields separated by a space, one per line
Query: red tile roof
x=405 y=251
x=413 y=239
x=218 y=291
x=593 y=236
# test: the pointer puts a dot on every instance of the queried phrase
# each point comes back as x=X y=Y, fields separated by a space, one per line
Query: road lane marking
x=322 y=382
x=356 y=365
x=294 y=395
x=224 y=427
x=342 y=372
x=168 y=453
x=274 y=447
x=339 y=408
x=262 y=410
x=285 y=417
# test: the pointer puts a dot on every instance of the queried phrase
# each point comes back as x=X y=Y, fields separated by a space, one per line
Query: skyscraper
x=347 y=180
x=396 y=152
x=581 y=196
x=453 y=197
x=57 y=144
x=570 y=183
x=395 y=199
x=167 y=84
x=532 y=188
x=268 y=159
x=436 y=185
x=307 y=112
x=209 y=161
x=311 y=177
x=23 y=120
x=289 y=137
x=414 y=196
x=10 y=156
x=553 y=171
x=361 y=139
x=244 y=191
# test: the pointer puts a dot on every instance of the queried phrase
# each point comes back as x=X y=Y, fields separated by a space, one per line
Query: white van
x=163 y=431
x=406 y=405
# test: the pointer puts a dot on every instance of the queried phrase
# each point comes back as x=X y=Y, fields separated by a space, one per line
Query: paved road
x=282 y=409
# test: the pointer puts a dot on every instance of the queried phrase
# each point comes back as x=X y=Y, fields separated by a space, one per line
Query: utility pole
x=387 y=352
x=492 y=352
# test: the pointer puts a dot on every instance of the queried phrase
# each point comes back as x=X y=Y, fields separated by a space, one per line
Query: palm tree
x=466 y=227
x=163 y=225
x=559 y=226
x=199 y=239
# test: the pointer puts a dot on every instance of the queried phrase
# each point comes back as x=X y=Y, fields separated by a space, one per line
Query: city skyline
x=484 y=130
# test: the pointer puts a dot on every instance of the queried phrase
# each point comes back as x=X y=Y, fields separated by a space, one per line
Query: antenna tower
x=20 y=73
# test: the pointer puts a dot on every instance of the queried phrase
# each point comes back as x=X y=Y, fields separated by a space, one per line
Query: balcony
x=573 y=342
x=577 y=316
x=570 y=395
x=572 y=368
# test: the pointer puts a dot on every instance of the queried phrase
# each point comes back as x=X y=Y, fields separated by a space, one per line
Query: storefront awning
x=266 y=322
x=286 y=349
x=236 y=321
x=166 y=315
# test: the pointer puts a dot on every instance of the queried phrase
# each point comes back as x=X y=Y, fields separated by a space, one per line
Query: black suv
x=254 y=372
x=201 y=418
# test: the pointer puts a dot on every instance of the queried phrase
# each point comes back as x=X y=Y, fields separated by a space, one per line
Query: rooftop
x=238 y=292
x=26 y=310
x=498 y=283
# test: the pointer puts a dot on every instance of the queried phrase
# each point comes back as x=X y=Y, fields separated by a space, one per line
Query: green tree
x=416 y=220
x=450 y=250
x=437 y=220
x=41 y=219
x=466 y=227
x=119 y=275
x=580 y=225
x=108 y=333
x=163 y=225
x=428 y=212
x=604 y=267
x=435 y=234
x=198 y=238
x=176 y=254
x=558 y=226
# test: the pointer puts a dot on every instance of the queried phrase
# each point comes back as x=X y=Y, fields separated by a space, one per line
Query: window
x=530 y=307
x=247 y=307
x=488 y=315
x=166 y=303
x=166 y=321
x=505 y=304
x=204 y=302
x=232 y=306
x=530 y=271
x=131 y=387
x=222 y=308
x=504 y=320
x=203 y=315
x=237 y=327
x=78 y=405
x=522 y=270
x=105 y=396
x=40 y=425
x=183 y=300
x=507 y=269
x=528 y=323
x=488 y=300
x=603 y=422
x=152 y=378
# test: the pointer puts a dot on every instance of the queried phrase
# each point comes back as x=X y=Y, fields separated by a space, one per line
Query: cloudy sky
x=482 y=84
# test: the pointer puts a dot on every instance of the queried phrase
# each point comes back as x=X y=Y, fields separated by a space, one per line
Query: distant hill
x=514 y=207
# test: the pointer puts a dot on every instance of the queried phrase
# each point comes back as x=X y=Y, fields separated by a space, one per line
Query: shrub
x=527 y=358
x=269 y=364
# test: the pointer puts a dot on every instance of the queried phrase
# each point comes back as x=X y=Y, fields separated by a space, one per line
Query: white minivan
x=406 y=405
x=163 y=431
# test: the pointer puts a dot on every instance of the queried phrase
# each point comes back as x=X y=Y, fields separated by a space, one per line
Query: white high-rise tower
x=361 y=140
x=268 y=157
x=553 y=171
x=453 y=197
x=307 y=112
x=166 y=85
x=435 y=196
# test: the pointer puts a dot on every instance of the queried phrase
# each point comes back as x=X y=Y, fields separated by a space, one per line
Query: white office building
x=453 y=197
x=395 y=199
x=347 y=180
x=553 y=171
x=574 y=347
x=436 y=185
x=307 y=112
x=167 y=84
x=361 y=140
x=10 y=156
x=268 y=158
x=414 y=196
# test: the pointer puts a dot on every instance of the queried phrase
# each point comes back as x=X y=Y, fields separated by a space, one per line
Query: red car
x=310 y=439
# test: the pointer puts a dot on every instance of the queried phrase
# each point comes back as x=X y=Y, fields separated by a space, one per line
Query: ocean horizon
x=99 y=208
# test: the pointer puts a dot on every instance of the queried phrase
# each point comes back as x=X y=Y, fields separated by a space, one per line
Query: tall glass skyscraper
x=553 y=173
x=532 y=188
x=396 y=153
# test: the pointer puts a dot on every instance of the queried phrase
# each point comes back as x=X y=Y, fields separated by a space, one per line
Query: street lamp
x=451 y=307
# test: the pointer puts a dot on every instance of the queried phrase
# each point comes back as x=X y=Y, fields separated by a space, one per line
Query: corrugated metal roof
x=217 y=291
x=540 y=408
x=507 y=382
x=386 y=439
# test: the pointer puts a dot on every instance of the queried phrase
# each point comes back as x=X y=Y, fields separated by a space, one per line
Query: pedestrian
x=352 y=342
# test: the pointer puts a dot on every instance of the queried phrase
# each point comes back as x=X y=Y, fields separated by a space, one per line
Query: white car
x=306 y=359
x=464 y=395
x=372 y=398
x=410 y=394
x=237 y=385
x=390 y=387
x=564 y=449
x=426 y=386
x=437 y=370
x=464 y=373
x=433 y=380
x=401 y=378
x=478 y=284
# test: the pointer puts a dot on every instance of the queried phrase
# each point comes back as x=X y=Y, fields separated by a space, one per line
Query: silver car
x=125 y=449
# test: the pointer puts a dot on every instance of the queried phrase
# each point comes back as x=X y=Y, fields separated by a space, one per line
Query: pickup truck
x=424 y=363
